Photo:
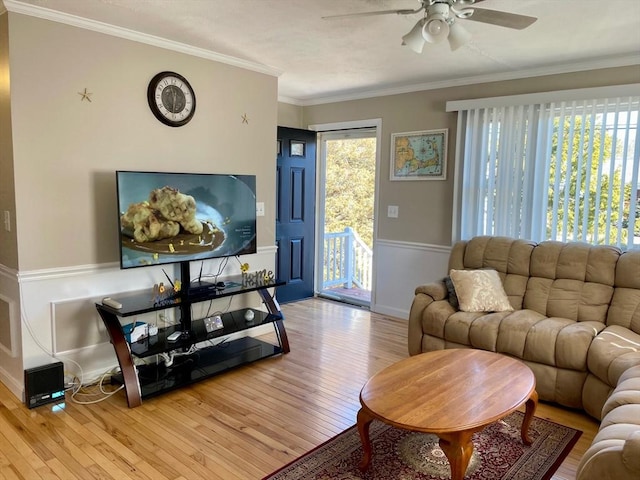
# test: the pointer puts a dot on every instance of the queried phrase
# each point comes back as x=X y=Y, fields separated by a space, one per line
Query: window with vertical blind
x=563 y=169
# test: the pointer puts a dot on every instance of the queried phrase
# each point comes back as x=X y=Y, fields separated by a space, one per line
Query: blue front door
x=295 y=213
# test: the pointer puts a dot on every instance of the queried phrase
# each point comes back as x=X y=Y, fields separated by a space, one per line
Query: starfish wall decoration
x=85 y=95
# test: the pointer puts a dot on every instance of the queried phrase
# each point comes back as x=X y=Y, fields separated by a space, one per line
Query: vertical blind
x=558 y=170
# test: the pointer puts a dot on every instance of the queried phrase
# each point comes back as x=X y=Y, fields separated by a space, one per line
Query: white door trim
x=351 y=125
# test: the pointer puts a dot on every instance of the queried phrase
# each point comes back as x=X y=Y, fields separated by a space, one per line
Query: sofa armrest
x=611 y=459
x=626 y=392
x=631 y=453
x=436 y=290
x=425 y=295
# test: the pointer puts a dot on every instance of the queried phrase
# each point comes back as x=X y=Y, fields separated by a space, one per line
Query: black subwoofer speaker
x=44 y=384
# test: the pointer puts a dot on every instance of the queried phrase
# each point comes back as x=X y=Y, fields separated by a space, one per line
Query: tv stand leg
x=123 y=354
x=274 y=309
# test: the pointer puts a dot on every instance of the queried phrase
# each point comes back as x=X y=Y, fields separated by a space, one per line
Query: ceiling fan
x=439 y=21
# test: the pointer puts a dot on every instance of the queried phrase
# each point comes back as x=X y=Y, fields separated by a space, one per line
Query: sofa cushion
x=512 y=335
x=457 y=326
x=614 y=350
x=625 y=308
x=565 y=298
x=575 y=261
x=509 y=257
x=433 y=323
x=483 y=332
x=627 y=269
x=571 y=280
x=557 y=342
x=479 y=291
x=625 y=305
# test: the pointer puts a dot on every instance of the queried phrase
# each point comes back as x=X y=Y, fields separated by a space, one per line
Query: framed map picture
x=419 y=155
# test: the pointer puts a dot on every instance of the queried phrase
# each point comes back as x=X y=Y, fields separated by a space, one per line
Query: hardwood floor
x=242 y=424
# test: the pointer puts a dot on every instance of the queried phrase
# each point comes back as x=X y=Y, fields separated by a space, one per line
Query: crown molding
x=101 y=27
x=621 y=61
x=16 y=6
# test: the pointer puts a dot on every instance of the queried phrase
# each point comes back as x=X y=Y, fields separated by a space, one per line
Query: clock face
x=171 y=99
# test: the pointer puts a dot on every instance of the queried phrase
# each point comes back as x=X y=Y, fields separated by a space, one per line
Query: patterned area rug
x=499 y=454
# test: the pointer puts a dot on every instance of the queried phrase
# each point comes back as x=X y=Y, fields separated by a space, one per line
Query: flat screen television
x=168 y=218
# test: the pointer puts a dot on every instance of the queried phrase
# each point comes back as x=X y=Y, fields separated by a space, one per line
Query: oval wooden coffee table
x=450 y=393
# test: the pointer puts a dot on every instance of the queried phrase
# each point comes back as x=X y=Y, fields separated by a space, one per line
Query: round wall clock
x=171 y=99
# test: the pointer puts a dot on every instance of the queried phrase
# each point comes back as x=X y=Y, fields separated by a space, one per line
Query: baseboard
x=17 y=388
x=390 y=311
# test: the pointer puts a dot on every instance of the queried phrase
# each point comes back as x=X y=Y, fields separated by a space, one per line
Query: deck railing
x=347 y=260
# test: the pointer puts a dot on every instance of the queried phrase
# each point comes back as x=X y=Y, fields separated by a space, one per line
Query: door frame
x=350 y=125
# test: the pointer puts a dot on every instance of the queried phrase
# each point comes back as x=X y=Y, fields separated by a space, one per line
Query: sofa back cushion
x=625 y=305
x=509 y=257
x=572 y=280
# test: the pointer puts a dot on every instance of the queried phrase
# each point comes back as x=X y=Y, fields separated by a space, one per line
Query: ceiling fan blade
x=502 y=19
x=380 y=12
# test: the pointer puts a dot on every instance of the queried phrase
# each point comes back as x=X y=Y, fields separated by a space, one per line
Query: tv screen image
x=181 y=217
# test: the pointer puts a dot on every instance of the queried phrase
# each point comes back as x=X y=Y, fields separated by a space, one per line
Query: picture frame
x=419 y=155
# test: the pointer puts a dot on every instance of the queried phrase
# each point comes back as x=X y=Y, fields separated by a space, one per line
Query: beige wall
x=290 y=115
x=425 y=207
x=59 y=154
x=8 y=242
x=66 y=150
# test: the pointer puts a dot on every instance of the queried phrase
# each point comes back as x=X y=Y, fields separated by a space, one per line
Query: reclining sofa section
x=575 y=318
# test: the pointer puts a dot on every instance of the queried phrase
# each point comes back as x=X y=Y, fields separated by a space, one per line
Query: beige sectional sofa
x=572 y=314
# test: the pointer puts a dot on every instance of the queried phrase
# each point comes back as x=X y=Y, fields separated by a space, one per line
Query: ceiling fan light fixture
x=414 y=39
x=458 y=36
x=435 y=28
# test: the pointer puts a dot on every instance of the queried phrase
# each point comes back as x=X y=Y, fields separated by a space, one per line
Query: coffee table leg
x=458 y=448
x=530 y=409
x=363 y=422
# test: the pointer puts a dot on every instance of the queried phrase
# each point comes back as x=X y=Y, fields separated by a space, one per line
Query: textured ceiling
x=322 y=59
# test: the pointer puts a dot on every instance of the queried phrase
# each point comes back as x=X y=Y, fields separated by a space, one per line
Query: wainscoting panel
x=8 y=326
x=76 y=324
x=11 y=369
x=59 y=320
x=399 y=268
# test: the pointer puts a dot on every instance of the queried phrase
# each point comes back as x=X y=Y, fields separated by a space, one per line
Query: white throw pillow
x=480 y=291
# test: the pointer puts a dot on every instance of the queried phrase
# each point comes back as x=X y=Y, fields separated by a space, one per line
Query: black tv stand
x=145 y=381
x=201 y=287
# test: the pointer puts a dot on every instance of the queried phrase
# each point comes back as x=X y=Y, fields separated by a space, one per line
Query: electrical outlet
x=260 y=209
x=7 y=220
x=392 y=211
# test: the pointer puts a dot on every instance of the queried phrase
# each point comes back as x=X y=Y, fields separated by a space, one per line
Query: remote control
x=111 y=303
x=174 y=336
